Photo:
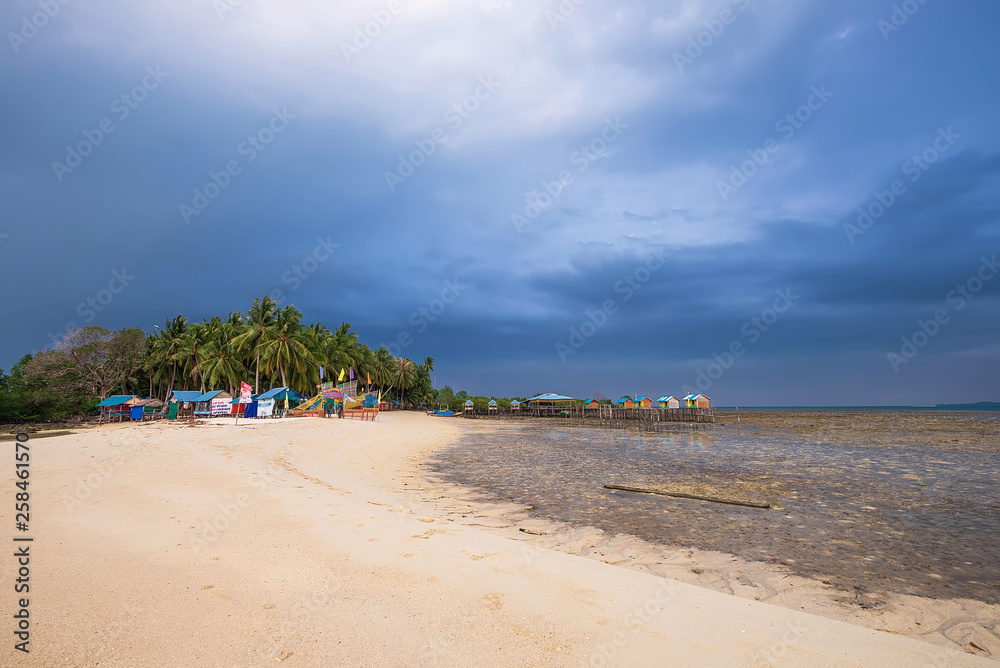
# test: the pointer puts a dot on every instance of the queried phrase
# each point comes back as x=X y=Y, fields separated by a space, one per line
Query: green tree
x=261 y=319
x=283 y=347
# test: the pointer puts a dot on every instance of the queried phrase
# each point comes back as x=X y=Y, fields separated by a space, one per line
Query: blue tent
x=115 y=400
x=281 y=393
x=184 y=396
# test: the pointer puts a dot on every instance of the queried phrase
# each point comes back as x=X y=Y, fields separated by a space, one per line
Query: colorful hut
x=515 y=405
x=181 y=402
x=593 y=404
x=669 y=401
x=643 y=402
x=492 y=406
x=550 y=399
x=287 y=395
x=214 y=402
x=697 y=401
x=116 y=407
x=469 y=406
x=626 y=402
x=551 y=403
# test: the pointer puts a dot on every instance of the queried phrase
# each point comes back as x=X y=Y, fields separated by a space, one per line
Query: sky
x=772 y=203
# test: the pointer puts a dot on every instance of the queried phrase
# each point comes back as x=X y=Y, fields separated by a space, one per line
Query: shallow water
x=892 y=515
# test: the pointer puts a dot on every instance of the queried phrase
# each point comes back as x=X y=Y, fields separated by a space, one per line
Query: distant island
x=978 y=406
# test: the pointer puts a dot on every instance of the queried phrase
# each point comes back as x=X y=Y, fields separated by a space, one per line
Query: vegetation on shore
x=267 y=346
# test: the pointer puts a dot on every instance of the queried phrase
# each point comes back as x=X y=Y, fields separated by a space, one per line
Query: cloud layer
x=538 y=155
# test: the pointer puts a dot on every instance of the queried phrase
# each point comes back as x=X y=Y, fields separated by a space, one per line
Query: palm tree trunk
x=173 y=377
x=256 y=377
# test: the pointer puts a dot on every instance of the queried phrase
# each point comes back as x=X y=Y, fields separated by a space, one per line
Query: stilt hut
x=491 y=407
x=643 y=402
x=669 y=401
x=116 y=407
x=515 y=405
x=697 y=401
x=551 y=404
x=592 y=404
x=469 y=406
x=626 y=402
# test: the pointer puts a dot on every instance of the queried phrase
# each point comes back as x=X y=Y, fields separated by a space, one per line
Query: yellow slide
x=311 y=404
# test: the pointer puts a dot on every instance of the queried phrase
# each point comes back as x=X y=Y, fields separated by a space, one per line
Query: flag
x=341 y=376
x=352 y=373
x=369 y=379
x=321 y=373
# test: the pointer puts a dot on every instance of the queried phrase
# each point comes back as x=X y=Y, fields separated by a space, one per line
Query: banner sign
x=265 y=407
x=221 y=406
x=245 y=391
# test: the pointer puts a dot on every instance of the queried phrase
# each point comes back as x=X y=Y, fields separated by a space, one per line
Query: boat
x=443 y=413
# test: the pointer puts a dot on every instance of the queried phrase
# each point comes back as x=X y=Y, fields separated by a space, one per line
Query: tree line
x=268 y=346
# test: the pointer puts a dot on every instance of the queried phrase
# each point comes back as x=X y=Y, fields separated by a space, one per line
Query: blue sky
x=580 y=198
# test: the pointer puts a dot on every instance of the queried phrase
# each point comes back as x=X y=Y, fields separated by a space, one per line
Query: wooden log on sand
x=681 y=495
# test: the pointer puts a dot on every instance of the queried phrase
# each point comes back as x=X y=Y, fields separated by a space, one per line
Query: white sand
x=328 y=557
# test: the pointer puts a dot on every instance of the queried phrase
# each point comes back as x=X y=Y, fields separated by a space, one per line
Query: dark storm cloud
x=312 y=218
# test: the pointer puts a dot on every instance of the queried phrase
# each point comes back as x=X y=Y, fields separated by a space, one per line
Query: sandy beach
x=312 y=542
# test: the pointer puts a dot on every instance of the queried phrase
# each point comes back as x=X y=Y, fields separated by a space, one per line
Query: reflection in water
x=918 y=519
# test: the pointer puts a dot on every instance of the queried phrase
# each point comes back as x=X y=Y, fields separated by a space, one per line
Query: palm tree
x=283 y=346
x=404 y=375
x=190 y=350
x=383 y=368
x=167 y=346
x=222 y=363
x=260 y=320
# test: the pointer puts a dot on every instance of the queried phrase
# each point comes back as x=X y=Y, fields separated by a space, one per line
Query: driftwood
x=681 y=495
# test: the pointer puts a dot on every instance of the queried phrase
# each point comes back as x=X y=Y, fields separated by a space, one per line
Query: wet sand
x=877 y=513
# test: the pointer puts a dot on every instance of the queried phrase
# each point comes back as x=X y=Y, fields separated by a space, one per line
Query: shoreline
x=319 y=542
x=953 y=621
